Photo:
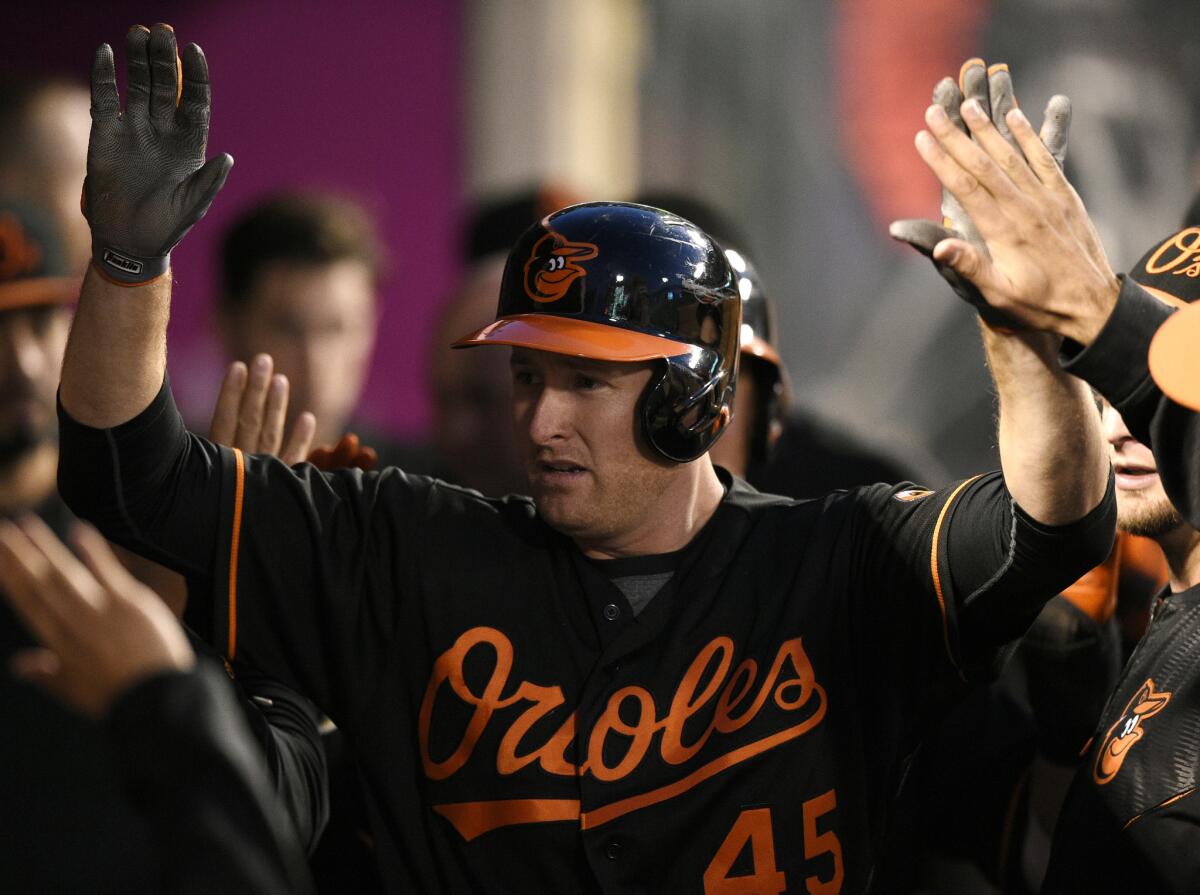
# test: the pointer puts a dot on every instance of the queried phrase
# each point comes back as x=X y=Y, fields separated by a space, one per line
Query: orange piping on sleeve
x=937 y=578
x=234 y=544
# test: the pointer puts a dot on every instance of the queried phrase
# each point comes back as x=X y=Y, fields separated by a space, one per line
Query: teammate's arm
x=109 y=649
x=147 y=183
x=1050 y=444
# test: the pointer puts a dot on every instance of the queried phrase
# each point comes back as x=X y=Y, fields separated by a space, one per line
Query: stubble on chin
x=1149 y=519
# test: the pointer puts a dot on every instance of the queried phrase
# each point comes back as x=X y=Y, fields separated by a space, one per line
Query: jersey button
x=612 y=850
x=612 y=612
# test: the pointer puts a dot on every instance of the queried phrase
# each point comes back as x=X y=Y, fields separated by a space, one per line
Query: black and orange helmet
x=760 y=357
x=622 y=282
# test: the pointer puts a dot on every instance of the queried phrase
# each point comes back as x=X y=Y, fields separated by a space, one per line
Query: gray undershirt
x=639 y=590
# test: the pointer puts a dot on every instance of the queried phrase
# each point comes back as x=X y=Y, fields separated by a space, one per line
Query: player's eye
x=523 y=376
x=586 y=383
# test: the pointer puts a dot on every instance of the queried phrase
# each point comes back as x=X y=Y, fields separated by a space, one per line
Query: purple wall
x=360 y=98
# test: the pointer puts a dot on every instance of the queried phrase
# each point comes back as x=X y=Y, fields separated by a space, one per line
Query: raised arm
x=147 y=184
x=1051 y=447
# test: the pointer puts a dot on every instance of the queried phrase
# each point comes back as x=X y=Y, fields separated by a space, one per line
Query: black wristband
x=127 y=269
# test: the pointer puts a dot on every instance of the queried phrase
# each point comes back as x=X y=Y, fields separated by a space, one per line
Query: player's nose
x=1115 y=430
x=551 y=416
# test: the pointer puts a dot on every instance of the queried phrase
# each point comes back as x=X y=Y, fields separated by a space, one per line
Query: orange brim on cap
x=1175 y=357
x=578 y=338
x=29 y=293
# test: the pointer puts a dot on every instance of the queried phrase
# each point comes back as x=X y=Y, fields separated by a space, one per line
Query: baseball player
x=1129 y=822
x=646 y=676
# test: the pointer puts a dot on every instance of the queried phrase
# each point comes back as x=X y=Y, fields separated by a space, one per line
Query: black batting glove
x=147 y=182
x=993 y=88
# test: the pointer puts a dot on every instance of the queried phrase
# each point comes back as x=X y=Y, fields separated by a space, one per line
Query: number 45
x=754 y=826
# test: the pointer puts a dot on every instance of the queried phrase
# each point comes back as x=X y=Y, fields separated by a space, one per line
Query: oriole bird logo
x=1128 y=730
x=553 y=266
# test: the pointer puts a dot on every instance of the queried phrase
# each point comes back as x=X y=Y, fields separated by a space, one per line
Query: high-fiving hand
x=1037 y=258
x=101 y=631
x=251 y=410
x=147 y=181
x=992 y=88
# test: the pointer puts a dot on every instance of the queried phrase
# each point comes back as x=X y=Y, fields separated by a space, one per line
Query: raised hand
x=1038 y=260
x=101 y=631
x=251 y=411
x=147 y=181
x=992 y=88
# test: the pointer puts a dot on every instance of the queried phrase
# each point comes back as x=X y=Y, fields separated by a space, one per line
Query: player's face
x=592 y=475
x=32 y=341
x=318 y=323
x=1142 y=505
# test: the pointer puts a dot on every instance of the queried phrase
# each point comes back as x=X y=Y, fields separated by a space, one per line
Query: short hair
x=294 y=228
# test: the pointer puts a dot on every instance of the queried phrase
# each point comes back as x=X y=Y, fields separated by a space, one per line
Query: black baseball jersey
x=1116 y=364
x=1131 y=822
x=520 y=730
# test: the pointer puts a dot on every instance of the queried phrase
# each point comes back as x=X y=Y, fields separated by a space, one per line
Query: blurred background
x=792 y=118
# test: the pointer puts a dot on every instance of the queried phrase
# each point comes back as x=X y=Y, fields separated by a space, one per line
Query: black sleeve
x=980 y=567
x=311 y=576
x=1116 y=365
x=189 y=766
x=286 y=727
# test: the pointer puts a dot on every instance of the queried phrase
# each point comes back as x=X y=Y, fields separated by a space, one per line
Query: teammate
x=299 y=275
x=648 y=676
x=1130 y=820
x=111 y=651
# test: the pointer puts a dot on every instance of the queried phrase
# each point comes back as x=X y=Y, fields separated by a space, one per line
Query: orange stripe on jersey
x=598 y=816
x=937 y=577
x=473 y=819
x=1163 y=804
x=235 y=543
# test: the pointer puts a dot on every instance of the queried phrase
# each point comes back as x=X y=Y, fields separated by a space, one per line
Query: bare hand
x=992 y=87
x=1047 y=269
x=101 y=630
x=251 y=411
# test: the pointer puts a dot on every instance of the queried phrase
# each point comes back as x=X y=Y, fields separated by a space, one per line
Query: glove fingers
x=137 y=101
x=106 y=103
x=195 y=95
x=367 y=459
x=1004 y=100
x=344 y=451
x=1056 y=127
x=922 y=235
x=164 y=74
x=947 y=95
x=319 y=457
x=973 y=81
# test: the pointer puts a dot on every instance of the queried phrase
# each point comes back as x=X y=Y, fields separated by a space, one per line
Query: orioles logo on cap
x=19 y=254
x=1128 y=730
x=553 y=266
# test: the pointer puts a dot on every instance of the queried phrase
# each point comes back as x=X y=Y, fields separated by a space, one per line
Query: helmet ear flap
x=683 y=413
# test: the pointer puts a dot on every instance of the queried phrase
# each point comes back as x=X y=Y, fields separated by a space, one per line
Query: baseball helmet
x=760 y=357
x=622 y=282
x=1171 y=273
